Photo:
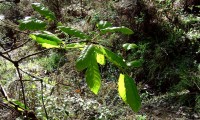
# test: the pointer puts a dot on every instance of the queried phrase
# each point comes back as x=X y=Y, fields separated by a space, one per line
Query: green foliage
x=20 y=104
x=46 y=39
x=165 y=58
x=123 y=30
x=128 y=92
x=32 y=24
x=43 y=11
x=171 y=52
x=93 y=77
x=113 y=58
x=73 y=32
x=129 y=46
x=135 y=63
x=74 y=45
x=100 y=58
x=84 y=59
x=92 y=54
x=103 y=24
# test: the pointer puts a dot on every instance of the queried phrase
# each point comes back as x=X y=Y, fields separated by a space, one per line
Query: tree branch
x=7 y=51
x=32 y=55
x=41 y=80
x=16 y=64
x=7 y=58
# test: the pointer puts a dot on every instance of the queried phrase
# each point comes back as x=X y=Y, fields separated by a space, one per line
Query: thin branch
x=29 y=74
x=3 y=92
x=7 y=58
x=41 y=80
x=8 y=99
x=4 y=50
x=32 y=55
x=43 y=101
x=81 y=2
x=16 y=64
x=7 y=51
x=22 y=84
x=29 y=80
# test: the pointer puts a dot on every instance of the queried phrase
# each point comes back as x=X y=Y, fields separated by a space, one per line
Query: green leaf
x=103 y=24
x=43 y=11
x=73 y=32
x=128 y=46
x=128 y=92
x=135 y=63
x=113 y=58
x=46 y=39
x=20 y=104
x=83 y=60
x=123 y=30
x=31 y=24
x=100 y=59
x=87 y=59
x=93 y=77
x=74 y=45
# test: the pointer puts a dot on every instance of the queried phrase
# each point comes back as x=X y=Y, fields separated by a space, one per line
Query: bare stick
x=22 y=84
x=32 y=55
x=41 y=81
x=5 y=52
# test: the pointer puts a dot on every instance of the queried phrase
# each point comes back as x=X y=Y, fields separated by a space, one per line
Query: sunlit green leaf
x=128 y=46
x=113 y=58
x=128 y=92
x=73 y=32
x=136 y=63
x=103 y=24
x=123 y=30
x=49 y=45
x=87 y=59
x=43 y=11
x=93 y=77
x=31 y=24
x=46 y=39
x=100 y=58
x=84 y=58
